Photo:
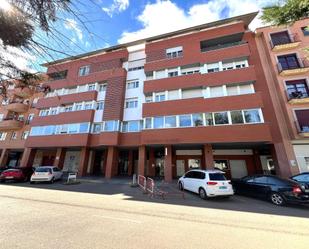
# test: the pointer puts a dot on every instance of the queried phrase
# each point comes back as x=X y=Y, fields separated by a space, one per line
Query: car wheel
x=277 y=199
x=202 y=193
x=180 y=186
x=52 y=180
x=31 y=182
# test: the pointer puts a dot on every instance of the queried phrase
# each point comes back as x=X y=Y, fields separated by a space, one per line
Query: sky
x=103 y=23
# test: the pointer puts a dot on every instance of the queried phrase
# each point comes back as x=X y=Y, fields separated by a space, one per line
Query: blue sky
x=102 y=23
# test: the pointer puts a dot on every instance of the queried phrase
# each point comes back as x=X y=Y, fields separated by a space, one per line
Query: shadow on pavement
x=122 y=186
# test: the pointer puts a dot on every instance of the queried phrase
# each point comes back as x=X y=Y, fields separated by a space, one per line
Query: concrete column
x=257 y=162
x=60 y=155
x=151 y=164
x=141 y=160
x=83 y=161
x=130 y=164
x=4 y=157
x=27 y=157
x=111 y=162
x=208 y=157
x=168 y=170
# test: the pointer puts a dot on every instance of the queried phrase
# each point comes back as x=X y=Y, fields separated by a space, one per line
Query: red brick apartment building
x=194 y=98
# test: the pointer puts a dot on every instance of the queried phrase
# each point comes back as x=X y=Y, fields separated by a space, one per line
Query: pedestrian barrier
x=150 y=184
x=141 y=181
x=72 y=177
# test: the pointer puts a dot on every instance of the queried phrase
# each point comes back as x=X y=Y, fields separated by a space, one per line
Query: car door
x=260 y=186
x=198 y=181
x=188 y=181
x=57 y=173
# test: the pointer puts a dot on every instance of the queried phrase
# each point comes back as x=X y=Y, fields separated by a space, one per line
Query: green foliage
x=287 y=13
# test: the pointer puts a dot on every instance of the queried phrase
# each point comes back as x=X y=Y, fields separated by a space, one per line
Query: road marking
x=119 y=219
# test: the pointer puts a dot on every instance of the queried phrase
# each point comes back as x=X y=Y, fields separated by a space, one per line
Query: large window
x=237 y=117
x=288 y=62
x=160 y=96
x=214 y=67
x=132 y=84
x=58 y=75
x=170 y=121
x=302 y=116
x=280 y=38
x=59 y=129
x=297 y=89
x=252 y=116
x=185 y=120
x=158 y=122
x=197 y=119
x=174 y=52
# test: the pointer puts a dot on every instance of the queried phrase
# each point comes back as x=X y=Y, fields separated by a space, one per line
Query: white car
x=46 y=174
x=206 y=183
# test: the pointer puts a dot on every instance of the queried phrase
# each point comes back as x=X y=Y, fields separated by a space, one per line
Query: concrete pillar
x=27 y=157
x=141 y=160
x=111 y=168
x=4 y=157
x=208 y=157
x=151 y=163
x=130 y=163
x=168 y=170
x=59 y=160
x=83 y=161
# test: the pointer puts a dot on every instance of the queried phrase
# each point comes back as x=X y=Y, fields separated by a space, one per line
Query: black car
x=276 y=189
x=302 y=178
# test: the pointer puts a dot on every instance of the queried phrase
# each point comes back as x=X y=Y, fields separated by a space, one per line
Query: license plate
x=222 y=187
x=9 y=177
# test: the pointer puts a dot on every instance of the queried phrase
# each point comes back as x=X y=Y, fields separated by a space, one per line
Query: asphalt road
x=92 y=215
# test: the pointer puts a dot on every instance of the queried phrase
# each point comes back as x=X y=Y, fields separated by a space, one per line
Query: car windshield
x=216 y=177
x=43 y=170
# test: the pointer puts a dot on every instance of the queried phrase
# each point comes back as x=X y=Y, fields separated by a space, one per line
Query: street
x=93 y=215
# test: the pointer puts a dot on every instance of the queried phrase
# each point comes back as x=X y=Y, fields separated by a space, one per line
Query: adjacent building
x=195 y=98
x=285 y=53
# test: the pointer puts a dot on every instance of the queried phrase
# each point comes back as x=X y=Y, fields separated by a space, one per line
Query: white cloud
x=116 y=7
x=71 y=24
x=165 y=16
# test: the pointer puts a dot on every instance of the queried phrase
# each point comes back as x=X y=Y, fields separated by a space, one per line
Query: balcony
x=10 y=125
x=23 y=92
x=286 y=42
x=17 y=107
x=298 y=67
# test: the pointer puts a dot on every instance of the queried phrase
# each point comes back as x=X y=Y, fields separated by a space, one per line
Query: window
x=2 y=136
x=133 y=84
x=88 y=106
x=159 y=96
x=135 y=68
x=131 y=103
x=252 y=116
x=287 y=62
x=305 y=30
x=216 y=177
x=110 y=125
x=73 y=128
x=53 y=111
x=68 y=108
x=221 y=164
x=148 y=123
x=84 y=70
x=84 y=128
x=21 y=117
x=102 y=87
x=63 y=129
x=185 y=120
x=158 y=122
x=209 y=119
x=133 y=126
x=303 y=177
x=58 y=75
x=241 y=64
x=221 y=118
x=170 y=121
x=91 y=87
x=245 y=89
x=214 y=67
x=227 y=66
x=97 y=128
x=261 y=180
x=100 y=105
x=216 y=91
x=78 y=106
x=14 y=136
x=197 y=119
x=297 y=89
x=302 y=119
x=44 y=112
x=173 y=74
x=24 y=135
x=232 y=90
x=174 y=52
x=148 y=99
x=280 y=38
x=237 y=117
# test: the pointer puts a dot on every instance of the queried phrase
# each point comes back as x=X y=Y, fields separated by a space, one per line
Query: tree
x=287 y=13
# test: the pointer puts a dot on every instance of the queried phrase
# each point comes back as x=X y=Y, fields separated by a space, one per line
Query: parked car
x=46 y=174
x=206 y=183
x=3 y=169
x=276 y=189
x=302 y=178
x=17 y=174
